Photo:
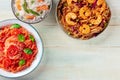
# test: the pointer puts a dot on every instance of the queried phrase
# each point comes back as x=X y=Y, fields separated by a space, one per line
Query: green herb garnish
x=32 y=1
x=105 y=25
x=25 y=6
x=17 y=14
x=15 y=26
x=33 y=12
x=21 y=62
x=21 y=38
x=27 y=51
x=32 y=38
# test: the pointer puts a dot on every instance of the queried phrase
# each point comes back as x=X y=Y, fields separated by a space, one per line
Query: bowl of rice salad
x=31 y=11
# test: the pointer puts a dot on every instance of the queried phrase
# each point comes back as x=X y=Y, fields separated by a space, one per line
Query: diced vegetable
x=17 y=14
x=90 y=25
x=41 y=12
x=32 y=1
x=68 y=33
x=15 y=26
x=21 y=38
x=21 y=62
x=77 y=20
x=90 y=5
x=18 y=5
x=105 y=24
x=94 y=4
x=32 y=38
x=28 y=51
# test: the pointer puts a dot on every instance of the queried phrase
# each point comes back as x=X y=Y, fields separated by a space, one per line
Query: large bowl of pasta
x=21 y=48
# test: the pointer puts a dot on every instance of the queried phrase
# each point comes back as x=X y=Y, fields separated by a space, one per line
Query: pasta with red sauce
x=17 y=48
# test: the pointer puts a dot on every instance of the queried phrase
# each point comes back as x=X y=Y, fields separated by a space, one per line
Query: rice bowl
x=31 y=11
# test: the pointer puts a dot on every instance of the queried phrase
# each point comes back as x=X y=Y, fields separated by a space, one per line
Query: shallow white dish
x=39 y=43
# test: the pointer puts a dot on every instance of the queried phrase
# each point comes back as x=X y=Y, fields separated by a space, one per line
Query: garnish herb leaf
x=32 y=38
x=32 y=1
x=17 y=14
x=25 y=6
x=27 y=51
x=106 y=24
x=21 y=62
x=15 y=26
x=21 y=38
x=33 y=12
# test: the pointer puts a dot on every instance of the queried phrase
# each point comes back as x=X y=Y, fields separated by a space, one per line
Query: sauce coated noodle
x=17 y=48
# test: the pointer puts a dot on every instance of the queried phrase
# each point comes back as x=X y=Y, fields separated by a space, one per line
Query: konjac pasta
x=17 y=48
x=83 y=19
x=31 y=11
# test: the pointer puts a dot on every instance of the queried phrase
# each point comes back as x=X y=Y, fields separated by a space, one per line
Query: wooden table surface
x=66 y=58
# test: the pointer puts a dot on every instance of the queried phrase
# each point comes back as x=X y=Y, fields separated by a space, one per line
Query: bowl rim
x=42 y=46
x=41 y=19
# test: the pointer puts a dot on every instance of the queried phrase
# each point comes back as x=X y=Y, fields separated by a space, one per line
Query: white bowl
x=36 y=21
x=38 y=57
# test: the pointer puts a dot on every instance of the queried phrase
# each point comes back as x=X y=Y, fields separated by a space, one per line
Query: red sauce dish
x=18 y=48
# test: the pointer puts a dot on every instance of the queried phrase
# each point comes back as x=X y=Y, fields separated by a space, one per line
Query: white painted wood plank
x=66 y=58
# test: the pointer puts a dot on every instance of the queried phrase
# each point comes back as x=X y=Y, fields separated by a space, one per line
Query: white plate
x=39 y=43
